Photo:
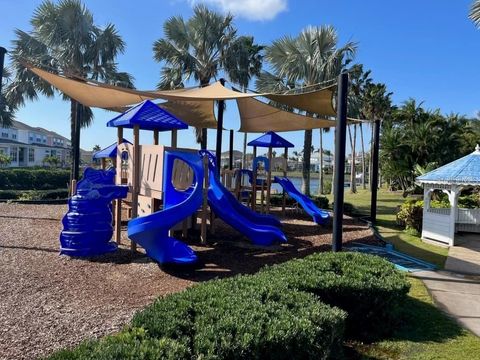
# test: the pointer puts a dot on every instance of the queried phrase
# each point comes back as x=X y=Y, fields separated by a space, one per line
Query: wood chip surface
x=48 y=302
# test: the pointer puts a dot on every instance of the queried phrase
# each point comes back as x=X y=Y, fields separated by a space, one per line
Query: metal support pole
x=376 y=146
x=218 y=149
x=341 y=136
x=230 y=152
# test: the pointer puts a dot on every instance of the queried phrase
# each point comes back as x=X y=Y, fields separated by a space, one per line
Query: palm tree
x=200 y=48
x=65 y=39
x=376 y=105
x=308 y=59
x=7 y=109
x=474 y=14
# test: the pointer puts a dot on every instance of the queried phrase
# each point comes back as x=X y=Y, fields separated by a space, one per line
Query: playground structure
x=195 y=106
x=166 y=188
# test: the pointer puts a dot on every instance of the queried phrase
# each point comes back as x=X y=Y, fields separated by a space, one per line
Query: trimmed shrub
x=411 y=214
x=132 y=344
x=8 y=195
x=367 y=287
x=276 y=200
x=34 y=194
x=246 y=317
x=321 y=202
x=33 y=179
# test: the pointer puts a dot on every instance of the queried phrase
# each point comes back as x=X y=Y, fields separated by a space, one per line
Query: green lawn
x=426 y=334
x=386 y=209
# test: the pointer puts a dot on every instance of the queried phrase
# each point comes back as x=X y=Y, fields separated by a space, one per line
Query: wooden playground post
x=118 y=202
x=285 y=169
x=269 y=180
x=203 y=226
x=254 y=180
x=136 y=176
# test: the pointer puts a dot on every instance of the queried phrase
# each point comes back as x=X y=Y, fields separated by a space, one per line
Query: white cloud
x=256 y=10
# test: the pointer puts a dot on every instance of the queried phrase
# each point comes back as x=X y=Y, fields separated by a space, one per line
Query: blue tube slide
x=151 y=231
x=319 y=216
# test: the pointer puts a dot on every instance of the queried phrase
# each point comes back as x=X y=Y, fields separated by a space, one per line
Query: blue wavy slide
x=260 y=229
x=319 y=216
x=151 y=231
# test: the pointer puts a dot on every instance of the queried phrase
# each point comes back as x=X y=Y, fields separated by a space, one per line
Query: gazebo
x=442 y=224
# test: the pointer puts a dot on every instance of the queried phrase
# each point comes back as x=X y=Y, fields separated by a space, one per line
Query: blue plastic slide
x=260 y=229
x=151 y=231
x=319 y=216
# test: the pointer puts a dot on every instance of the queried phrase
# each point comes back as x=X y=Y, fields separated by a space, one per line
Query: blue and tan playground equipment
x=168 y=188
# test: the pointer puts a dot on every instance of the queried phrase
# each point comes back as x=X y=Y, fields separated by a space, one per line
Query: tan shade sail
x=257 y=116
x=195 y=113
x=315 y=102
x=95 y=94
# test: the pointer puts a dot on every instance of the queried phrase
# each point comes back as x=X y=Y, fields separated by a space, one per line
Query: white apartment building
x=28 y=146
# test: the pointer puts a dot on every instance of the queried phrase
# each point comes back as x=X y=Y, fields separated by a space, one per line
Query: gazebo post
x=254 y=180
x=118 y=202
x=155 y=137
x=285 y=170
x=341 y=136
x=269 y=179
x=453 y=198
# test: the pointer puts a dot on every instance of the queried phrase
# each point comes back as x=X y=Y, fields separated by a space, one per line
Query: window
x=14 y=136
x=30 y=138
x=14 y=154
x=31 y=155
x=4 y=134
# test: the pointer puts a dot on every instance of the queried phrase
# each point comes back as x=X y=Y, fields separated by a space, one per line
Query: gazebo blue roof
x=464 y=171
x=147 y=116
x=271 y=139
x=108 y=152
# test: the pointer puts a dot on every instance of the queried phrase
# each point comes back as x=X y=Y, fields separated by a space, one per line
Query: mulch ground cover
x=48 y=302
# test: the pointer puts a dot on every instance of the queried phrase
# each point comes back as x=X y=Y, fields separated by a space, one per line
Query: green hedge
x=287 y=311
x=133 y=344
x=34 y=194
x=367 y=287
x=33 y=179
x=246 y=318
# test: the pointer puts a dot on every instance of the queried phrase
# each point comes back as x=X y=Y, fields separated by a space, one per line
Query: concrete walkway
x=464 y=257
x=456 y=294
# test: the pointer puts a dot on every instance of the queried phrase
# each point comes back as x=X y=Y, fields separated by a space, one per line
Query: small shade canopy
x=147 y=116
x=271 y=139
x=109 y=152
x=464 y=171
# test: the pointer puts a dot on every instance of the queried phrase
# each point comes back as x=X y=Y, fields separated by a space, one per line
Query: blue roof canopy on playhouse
x=464 y=171
x=271 y=139
x=109 y=151
x=147 y=116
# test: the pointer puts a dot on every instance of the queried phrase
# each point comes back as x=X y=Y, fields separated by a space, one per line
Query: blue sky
x=425 y=49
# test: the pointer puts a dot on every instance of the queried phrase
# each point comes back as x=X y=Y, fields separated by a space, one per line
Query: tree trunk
x=307 y=149
x=352 y=160
x=244 y=157
x=320 y=165
x=364 y=168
